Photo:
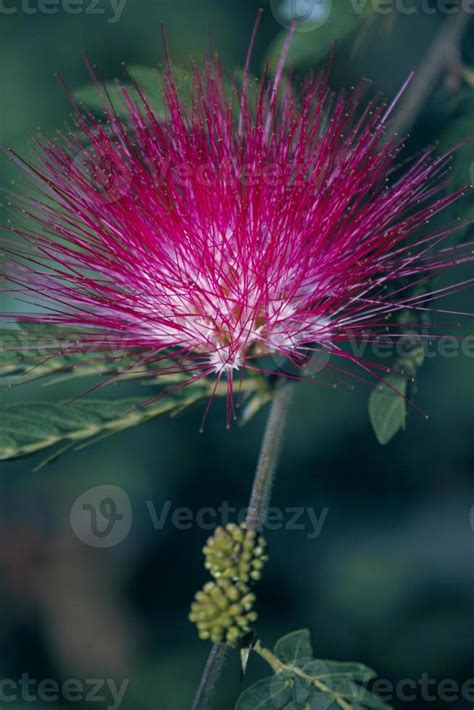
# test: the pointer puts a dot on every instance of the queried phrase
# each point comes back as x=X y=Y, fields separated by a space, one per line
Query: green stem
x=256 y=516
x=210 y=676
x=275 y=664
x=443 y=52
x=269 y=454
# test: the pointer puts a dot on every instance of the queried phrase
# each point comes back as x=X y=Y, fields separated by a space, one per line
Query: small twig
x=269 y=454
x=439 y=57
x=210 y=676
x=257 y=513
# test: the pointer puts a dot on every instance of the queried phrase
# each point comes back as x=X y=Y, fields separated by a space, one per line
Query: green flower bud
x=223 y=611
x=235 y=553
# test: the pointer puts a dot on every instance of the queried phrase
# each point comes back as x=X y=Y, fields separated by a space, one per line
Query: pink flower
x=250 y=221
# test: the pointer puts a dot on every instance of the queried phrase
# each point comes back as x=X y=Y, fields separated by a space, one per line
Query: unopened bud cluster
x=236 y=553
x=223 y=610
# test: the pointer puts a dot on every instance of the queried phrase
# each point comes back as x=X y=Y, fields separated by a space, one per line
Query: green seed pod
x=236 y=553
x=223 y=611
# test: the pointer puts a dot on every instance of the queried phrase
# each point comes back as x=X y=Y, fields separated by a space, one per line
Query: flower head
x=223 y=612
x=250 y=220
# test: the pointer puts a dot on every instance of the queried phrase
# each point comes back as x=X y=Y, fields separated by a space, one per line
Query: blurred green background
x=389 y=581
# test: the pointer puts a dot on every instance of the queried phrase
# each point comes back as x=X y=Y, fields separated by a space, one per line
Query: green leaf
x=8 y=446
x=319 y=701
x=271 y=692
x=295 y=647
x=310 y=47
x=31 y=352
x=314 y=685
x=302 y=691
x=147 y=78
x=340 y=669
x=90 y=96
x=343 y=681
x=25 y=356
x=387 y=407
x=150 y=79
x=68 y=418
x=28 y=428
